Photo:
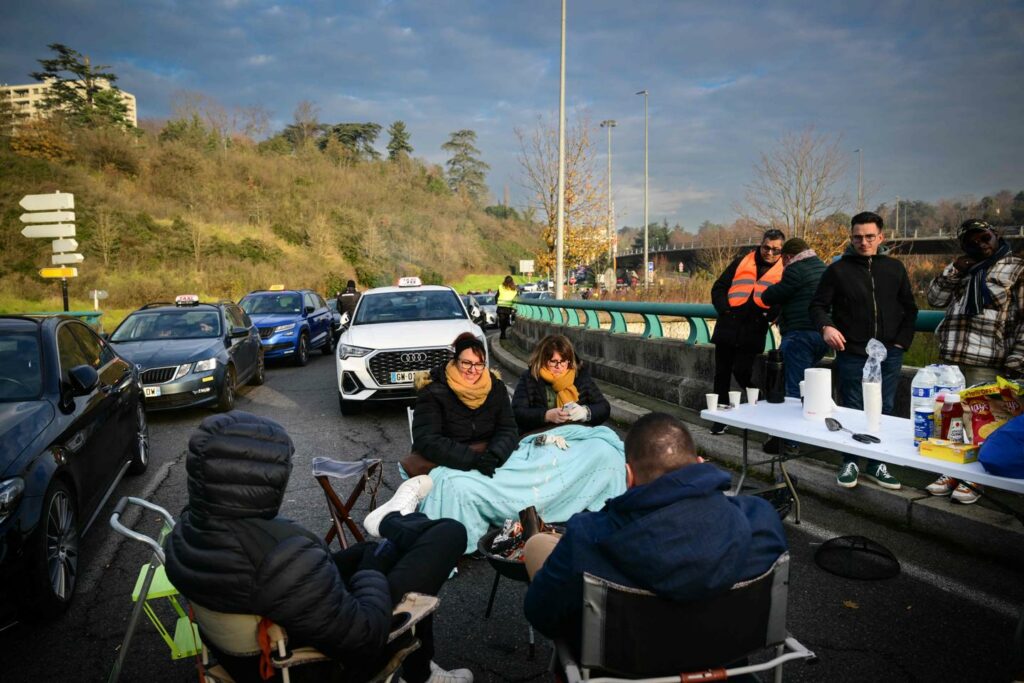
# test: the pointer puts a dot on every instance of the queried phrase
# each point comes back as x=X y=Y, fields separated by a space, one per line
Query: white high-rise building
x=27 y=100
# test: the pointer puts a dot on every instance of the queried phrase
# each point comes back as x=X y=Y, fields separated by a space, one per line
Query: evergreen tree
x=398 y=145
x=466 y=171
x=86 y=96
x=357 y=139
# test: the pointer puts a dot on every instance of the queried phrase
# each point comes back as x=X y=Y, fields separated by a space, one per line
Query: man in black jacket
x=347 y=301
x=231 y=552
x=865 y=295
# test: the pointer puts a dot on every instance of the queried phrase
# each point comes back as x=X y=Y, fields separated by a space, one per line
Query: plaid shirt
x=995 y=336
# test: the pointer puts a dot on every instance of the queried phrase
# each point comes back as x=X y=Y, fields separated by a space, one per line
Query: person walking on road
x=743 y=316
x=507 y=293
x=862 y=296
x=347 y=301
x=983 y=330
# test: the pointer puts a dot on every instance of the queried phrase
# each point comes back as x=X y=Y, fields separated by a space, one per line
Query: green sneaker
x=881 y=476
x=847 y=476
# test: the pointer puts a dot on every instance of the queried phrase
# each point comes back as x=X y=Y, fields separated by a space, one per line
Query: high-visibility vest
x=745 y=282
x=506 y=296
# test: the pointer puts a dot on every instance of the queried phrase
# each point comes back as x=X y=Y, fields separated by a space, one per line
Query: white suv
x=394 y=332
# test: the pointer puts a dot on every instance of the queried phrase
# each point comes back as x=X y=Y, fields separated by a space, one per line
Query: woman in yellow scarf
x=557 y=389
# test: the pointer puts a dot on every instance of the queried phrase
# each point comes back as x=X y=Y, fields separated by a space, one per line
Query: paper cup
x=801 y=388
x=734 y=398
x=752 y=395
x=712 y=400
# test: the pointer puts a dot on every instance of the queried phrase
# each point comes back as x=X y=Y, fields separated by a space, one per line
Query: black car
x=71 y=423
x=191 y=353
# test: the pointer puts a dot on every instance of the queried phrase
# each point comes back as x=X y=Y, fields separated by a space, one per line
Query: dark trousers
x=732 y=361
x=505 y=315
x=850 y=368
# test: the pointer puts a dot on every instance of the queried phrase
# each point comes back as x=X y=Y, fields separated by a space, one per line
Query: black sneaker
x=773 y=446
x=717 y=428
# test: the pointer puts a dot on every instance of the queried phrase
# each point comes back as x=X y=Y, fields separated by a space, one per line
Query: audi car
x=396 y=331
x=291 y=322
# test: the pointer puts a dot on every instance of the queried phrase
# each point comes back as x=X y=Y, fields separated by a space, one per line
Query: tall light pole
x=647 y=272
x=860 y=179
x=897 y=231
x=560 y=257
x=609 y=124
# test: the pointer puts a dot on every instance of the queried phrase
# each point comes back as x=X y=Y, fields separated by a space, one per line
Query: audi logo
x=418 y=357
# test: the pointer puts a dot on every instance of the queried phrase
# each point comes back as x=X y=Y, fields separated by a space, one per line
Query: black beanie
x=793 y=246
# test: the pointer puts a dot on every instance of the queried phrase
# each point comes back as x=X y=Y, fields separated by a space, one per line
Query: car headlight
x=182 y=370
x=347 y=351
x=283 y=328
x=10 y=494
x=205 y=365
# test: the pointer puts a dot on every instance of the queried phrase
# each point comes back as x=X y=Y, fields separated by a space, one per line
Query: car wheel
x=227 y=392
x=54 y=561
x=260 y=375
x=140 y=456
x=328 y=347
x=348 y=407
x=302 y=350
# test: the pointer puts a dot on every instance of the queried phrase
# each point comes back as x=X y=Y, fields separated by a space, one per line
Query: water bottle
x=774 y=378
x=922 y=404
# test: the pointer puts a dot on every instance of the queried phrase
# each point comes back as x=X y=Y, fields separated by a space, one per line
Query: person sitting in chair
x=231 y=552
x=674 y=532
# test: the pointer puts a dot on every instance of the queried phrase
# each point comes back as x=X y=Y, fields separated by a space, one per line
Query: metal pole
x=860 y=179
x=64 y=292
x=897 y=231
x=647 y=272
x=609 y=124
x=560 y=257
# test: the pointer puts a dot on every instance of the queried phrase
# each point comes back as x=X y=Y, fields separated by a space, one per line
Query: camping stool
x=326 y=468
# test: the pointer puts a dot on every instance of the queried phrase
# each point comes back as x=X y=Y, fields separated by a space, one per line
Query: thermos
x=774 y=378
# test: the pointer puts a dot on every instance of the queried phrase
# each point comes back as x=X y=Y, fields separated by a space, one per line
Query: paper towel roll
x=817 y=393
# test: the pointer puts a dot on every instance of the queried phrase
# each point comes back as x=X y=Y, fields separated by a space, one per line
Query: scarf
x=472 y=395
x=564 y=385
x=805 y=254
x=978 y=296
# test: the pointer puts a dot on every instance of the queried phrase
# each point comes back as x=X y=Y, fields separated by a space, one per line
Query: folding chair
x=325 y=469
x=630 y=634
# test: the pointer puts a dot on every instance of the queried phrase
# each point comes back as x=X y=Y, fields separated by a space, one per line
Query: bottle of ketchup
x=952 y=419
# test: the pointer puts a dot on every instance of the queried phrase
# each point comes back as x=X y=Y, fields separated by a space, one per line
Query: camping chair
x=630 y=634
x=325 y=469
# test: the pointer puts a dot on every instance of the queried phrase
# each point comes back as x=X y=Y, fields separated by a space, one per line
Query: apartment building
x=27 y=100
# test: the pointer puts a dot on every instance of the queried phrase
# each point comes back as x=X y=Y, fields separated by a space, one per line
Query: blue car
x=291 y=322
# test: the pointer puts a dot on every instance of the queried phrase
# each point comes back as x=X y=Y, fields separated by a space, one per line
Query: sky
x=930 y=91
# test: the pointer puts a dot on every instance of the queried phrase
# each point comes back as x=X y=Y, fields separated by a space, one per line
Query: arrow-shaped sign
x=58 y=272
x=48 y=217
x=63 y=246
x=50 y=230
x=62 y=259
x=48 y=202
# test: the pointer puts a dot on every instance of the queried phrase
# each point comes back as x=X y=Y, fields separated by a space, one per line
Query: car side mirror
x=309 y=309
x=83 y=379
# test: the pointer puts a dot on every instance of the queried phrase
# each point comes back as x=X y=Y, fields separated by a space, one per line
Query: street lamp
x=860 y=179
x=609 y=124
x=647 y=272
x=560 y=256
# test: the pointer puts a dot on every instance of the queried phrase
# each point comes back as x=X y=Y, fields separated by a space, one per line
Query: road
x=948 y=616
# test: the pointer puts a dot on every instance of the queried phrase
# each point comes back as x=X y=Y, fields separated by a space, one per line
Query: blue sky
x=931 y=91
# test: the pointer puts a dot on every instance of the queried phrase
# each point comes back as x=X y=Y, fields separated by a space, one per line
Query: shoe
x=966 y=495
x=880 y=475
x=773 y=446
x=943 y=486
x=439 y=675
x=847 y=476
x=790 y=449
x=405 y=501
x=717 y=428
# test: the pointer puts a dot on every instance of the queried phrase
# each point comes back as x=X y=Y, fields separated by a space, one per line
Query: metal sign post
x=50 y=217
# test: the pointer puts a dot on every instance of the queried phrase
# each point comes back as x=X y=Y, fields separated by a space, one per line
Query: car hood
x=160 y=353
x=426 y=333
x=275 y=319
x=20 y=424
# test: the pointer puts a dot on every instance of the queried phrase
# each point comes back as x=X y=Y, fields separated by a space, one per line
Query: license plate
x=400 y=377
x=151 y=392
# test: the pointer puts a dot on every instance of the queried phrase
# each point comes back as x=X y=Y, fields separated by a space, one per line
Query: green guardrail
x=578 y=313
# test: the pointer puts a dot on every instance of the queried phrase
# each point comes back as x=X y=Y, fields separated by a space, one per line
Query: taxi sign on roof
x=276 y=288
x=409 y=282
x=186 y=300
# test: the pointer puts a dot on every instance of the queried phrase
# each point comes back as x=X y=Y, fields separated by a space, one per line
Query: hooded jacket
x=530 y=401
x=743 y=326
x=231 y=552
x=678 y=536
x=794 y=291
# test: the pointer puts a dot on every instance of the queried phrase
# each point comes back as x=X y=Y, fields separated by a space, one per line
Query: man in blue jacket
x=674 y=532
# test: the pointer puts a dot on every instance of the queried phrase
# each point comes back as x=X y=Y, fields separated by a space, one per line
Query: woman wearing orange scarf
x=557 y=389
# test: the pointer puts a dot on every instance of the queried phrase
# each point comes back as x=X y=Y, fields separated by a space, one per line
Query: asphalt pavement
x=947 y=616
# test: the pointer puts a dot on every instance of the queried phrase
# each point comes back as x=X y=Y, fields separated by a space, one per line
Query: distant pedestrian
x=507 y=294
x=347 y=301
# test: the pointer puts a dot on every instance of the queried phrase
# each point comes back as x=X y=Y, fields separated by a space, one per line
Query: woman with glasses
x=557 y=389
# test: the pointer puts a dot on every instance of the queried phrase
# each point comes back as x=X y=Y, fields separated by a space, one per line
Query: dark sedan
x=71 y=424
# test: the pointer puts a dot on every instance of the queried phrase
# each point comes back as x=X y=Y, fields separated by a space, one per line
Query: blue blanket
x=558 y=483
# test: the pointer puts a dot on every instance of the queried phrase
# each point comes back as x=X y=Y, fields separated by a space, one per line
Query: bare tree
x=106 y=234
x=798 y=183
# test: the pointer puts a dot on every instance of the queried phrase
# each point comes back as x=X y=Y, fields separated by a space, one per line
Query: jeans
x=850 y=368
x=801 y=349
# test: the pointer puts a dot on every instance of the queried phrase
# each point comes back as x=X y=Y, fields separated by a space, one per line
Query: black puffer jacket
x=443 y=426
x=230 y=552
x=530 y=401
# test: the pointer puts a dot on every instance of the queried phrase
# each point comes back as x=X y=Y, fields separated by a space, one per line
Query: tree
x=356 y=138
x=306 y=128
x=466 y=171
x=797 y=183
x=398 y=145
x=87 y=97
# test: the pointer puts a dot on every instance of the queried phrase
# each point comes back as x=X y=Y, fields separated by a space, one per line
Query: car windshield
x=486 y=299
x=179 y=324
x=401 y=307
x=21 y=375
x=289 y=303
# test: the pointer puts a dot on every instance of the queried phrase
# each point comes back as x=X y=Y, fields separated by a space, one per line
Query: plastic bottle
x=953 y=419
x=775 y=378
x=922 y=405
x=948 y=380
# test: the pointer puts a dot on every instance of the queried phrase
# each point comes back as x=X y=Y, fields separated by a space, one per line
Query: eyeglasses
x=771 y=250
x=865 y=238
x=468 y=365
x=564 y=363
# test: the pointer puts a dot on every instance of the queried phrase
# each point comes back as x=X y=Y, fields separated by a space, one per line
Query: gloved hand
x=487 y=463
x=577 y=413
x=551 y=440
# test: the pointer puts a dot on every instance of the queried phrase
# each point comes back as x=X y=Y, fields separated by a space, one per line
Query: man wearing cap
x=983 y=330
x=347 y=301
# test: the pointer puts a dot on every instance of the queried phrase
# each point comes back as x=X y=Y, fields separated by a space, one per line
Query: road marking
x=914 y=571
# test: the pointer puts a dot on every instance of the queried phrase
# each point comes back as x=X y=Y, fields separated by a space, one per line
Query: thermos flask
x=774 y=378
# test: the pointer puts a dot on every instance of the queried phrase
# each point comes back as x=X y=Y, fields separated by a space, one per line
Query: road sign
x=63 y=259
x=650 y=266
x=97 y=294
x=62 y=246
x=50 y=230
x=526 y=265
x=58 y=272
x=47 y=202
x=48 y=217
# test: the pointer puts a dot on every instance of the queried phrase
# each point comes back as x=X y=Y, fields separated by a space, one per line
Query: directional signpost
x=52 y=217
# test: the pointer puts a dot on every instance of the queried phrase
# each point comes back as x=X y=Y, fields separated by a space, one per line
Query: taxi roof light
x=186 y=300
x=276 y=288
x=410 y=281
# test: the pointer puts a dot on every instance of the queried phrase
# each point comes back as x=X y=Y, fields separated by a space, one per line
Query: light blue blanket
x=558 y=483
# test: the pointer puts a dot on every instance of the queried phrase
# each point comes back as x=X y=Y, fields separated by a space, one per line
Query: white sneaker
x=966 y=494
x=943 y=486
x=439 y=675
x=405 y=501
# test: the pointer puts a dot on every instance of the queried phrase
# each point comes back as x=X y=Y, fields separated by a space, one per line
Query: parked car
x=336 y=324
x=72 y=423
x=537 y=295
x=489 y=305
x=291 y=322
x=191 y=353
x=475 y=310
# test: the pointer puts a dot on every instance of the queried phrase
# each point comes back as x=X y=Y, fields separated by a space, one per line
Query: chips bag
x=991 y=405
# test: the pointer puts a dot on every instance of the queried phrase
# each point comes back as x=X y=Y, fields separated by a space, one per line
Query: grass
x=481 y=282
x=111 y=318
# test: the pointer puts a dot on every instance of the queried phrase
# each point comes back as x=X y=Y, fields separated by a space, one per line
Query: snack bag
x=991 y=405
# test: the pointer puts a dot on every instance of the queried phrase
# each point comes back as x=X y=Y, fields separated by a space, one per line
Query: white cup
x=734 y=398
x=801 y=388
x=712 y=400
x=752 y=395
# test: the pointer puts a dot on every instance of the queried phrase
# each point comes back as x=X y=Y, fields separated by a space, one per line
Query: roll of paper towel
x=817 y=393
